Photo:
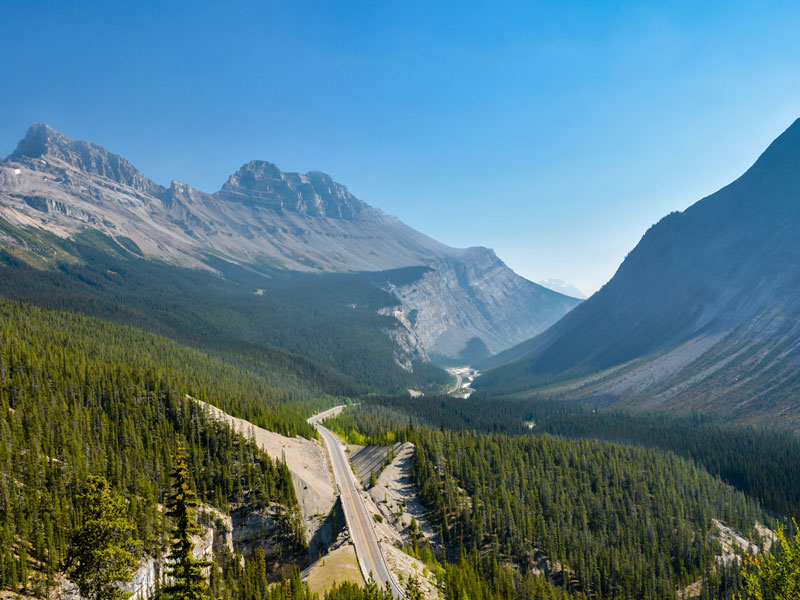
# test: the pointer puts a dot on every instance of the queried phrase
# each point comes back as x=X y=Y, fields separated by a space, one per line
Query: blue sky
x=555 y=133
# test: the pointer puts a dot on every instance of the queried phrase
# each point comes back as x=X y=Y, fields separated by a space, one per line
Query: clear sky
x=555 y=133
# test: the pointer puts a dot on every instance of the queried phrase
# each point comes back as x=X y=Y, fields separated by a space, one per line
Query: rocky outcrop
x=410 y=346
x=43 y=143
x=263 y=216
x=473 y=294
x=262 y=184
x=214 y=537
x=264 y=528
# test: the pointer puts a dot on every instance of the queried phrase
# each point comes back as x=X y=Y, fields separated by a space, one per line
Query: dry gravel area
x=405 y=567
x=395 y=487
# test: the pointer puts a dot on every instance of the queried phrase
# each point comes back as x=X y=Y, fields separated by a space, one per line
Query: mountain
x=704 y=314
x=562 y=287
x=265 y=218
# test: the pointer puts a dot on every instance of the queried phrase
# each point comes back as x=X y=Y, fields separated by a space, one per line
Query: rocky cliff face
x=263 y=216
x=473 y=294
x=43 y=143
x=264 y=185
x=214 y=538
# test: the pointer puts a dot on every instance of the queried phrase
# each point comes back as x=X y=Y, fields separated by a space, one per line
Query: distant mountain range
x=704 y=314
x=265 y=218
x=562 y=287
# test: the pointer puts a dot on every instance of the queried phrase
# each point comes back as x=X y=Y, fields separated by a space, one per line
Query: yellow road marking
x=360 y=523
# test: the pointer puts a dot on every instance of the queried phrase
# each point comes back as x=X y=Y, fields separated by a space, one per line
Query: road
x=462 y=374
x=359 y=521
x=457 y=386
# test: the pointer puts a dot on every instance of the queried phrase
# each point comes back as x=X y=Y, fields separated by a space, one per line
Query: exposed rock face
x=264 y=216
x=151 y=570
x=43 y=142
x=704 y=313
x=406 y=338
x=262 y=184
x=263 y=529
x=474 y=294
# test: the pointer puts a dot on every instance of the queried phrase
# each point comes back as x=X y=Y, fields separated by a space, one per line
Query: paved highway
x=359 y=521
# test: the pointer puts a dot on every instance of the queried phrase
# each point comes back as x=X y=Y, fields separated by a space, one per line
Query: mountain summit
x=264 y=217
x=44 y=143
x=704 y=311
x=313 y=194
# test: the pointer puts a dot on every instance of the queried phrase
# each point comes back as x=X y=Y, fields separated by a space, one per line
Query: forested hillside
x=307 y=334
x=80 y=397
x=762 y=462
x=623 y=522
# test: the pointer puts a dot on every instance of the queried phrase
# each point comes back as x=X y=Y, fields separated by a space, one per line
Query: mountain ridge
x=263 y=216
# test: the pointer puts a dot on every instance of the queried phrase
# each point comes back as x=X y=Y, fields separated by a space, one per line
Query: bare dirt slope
x=369 y=459
x=307 y=461
x=396 y=498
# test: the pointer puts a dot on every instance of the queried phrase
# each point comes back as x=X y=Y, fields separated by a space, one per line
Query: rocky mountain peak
x=255 y=175
x=262 y=184
x=784 y=151
x=38 y=141
x=43 y=143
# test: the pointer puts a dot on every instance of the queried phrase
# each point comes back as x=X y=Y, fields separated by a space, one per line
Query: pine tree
x=102 y=552
x=775 y=576
x=413 y=589
x=186 y=578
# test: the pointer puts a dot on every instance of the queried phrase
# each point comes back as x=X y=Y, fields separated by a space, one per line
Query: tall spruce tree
x=776 y=576
x=102 y=552
x=185 y=572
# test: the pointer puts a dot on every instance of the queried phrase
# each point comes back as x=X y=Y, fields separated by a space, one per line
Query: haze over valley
x=567 y=369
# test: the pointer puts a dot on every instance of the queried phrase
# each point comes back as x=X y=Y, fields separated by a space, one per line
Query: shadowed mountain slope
x=703 y=313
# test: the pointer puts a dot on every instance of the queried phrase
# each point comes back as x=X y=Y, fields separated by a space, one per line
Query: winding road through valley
x=370 y=555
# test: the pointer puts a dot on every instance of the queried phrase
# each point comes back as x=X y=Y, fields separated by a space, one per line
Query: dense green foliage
x=774 y=575
x=478 y=578
x=186 y=578
x=81 y=397
x=41 y=345
x=625 y=522
x=103 y=550
x=306 y=334
x=762 y=462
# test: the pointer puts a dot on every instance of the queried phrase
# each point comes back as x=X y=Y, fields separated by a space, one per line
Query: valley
x=369 y=414
x=400 y=300
x=464 y=378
